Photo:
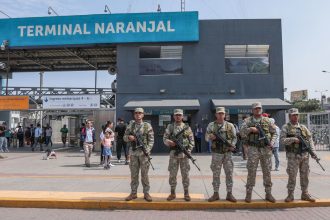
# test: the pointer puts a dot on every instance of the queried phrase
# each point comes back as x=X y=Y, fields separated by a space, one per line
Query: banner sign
x=100 y=28
x=71 y=102
x=14 y=103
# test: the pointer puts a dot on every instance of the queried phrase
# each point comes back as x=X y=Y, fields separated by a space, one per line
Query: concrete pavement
x=28 y=181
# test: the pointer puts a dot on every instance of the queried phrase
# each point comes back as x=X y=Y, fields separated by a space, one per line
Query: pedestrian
x=32 y=130
x=276 y=148
x=198 y=138
x=37 y=138
x=9 y=137
x=139 y=161
x=121 y=144
x=82 y=134
x=20 y=136
x=297 y=157
x=221 y=153
x=3 y=139
x=89 y=142
x=64 y=134
x=260 y=144
x=27 y=135
x=107 y=145
x=49 y=133
x=107 y=127
x=177 y=157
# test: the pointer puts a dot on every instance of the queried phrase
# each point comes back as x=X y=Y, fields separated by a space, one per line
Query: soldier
x=260 y=135
x=138 y=158
x=296 y=158
x=221 y=153
x=177 y=158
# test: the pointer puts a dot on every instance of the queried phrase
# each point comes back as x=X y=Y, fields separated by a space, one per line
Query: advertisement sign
x=100 y=28
x=14 y=103
x=300 y=95
x=71 y=102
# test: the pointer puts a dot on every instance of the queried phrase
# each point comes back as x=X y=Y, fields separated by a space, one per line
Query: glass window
x=247 y=59
x=159 y=60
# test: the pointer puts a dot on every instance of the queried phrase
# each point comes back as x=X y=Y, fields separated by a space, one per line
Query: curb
x=81 y=200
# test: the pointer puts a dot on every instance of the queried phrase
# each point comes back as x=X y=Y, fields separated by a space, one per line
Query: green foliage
x=311 y=105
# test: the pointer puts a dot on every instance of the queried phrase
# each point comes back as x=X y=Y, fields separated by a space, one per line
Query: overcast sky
x=305 y=34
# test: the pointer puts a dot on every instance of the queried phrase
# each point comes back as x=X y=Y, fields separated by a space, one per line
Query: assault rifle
x=304 y=146
x=140 y=144
x=177 y=139
x=262 y=135
x=219 y=138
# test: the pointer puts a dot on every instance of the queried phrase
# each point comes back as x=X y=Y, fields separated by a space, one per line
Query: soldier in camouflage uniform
x=177 y=158
x=138 y=159
x=258 y=150
x=221 y=153
x=297 y=160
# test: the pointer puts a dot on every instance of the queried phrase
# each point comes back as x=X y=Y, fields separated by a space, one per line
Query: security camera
x=2 y=65
x=4 y=45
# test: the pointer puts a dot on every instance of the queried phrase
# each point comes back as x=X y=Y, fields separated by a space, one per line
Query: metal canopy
x=271 y=103
x=59 y=59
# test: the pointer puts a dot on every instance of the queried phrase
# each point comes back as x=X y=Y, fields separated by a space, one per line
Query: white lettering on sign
x=99 y=28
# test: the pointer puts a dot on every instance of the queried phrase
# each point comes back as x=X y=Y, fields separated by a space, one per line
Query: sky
x=305 y=34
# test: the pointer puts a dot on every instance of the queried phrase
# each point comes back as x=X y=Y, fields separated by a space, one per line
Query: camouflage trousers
x=139 y=161
x=173 y=167
x=296 y=162
x=217 y=161
x=264 y=155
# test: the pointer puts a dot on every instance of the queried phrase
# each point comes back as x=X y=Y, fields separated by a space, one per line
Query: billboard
x=100 y=28
x=300 y=95
x=71 y=102
x=14 y=103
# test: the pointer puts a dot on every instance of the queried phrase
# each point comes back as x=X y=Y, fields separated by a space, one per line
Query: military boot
x=214 y=197
x=230 y=197
x=147 y=197
x=131 y=197
x=248 y=196
x=186 y=196
x=172 y=195
x=290 y=197
x=270 y=198
x=306 y=197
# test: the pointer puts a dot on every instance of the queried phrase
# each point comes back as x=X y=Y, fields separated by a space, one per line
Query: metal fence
x=319 y=125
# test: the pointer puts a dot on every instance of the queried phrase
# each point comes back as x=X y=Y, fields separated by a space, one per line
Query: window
x=247 y=59
x=159 y=60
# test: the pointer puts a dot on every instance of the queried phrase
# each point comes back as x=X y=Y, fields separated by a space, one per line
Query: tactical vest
x=185 y=136
x=253 y=138
x=292 y=131
x=144 y=135
x=219 y=147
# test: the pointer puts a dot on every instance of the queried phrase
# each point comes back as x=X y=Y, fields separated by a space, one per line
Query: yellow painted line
x=100 y=200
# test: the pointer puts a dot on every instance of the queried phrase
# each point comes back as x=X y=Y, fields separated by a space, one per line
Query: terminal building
x=173 y=60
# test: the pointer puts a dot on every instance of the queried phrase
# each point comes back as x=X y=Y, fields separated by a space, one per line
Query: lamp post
x=321 y=92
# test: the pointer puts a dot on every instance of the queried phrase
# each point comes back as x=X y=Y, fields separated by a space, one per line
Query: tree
x=310 y=105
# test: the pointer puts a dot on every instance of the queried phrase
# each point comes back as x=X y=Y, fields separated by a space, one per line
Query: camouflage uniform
x=258 y=151
x=296 y=160
x=138 y=159
x=221 y=154
x=179 y=159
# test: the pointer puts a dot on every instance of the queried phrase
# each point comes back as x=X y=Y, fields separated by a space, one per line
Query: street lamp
x=50 y=10
x=107 y=9
x=321 y=97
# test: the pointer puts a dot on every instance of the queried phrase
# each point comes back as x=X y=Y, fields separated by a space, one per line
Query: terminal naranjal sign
x=106 y=28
